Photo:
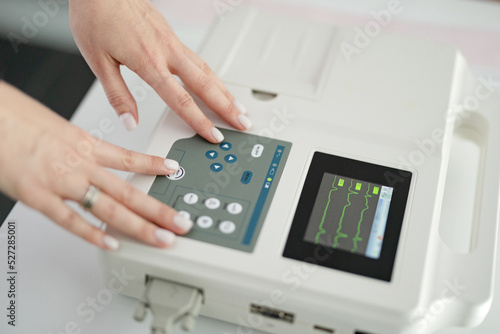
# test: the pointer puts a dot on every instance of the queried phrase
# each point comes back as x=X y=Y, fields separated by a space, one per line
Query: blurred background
x=38 y=54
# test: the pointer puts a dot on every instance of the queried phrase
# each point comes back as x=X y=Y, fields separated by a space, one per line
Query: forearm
x=17 y=108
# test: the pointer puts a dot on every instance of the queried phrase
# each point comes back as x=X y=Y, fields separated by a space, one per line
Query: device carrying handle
x=467 y=279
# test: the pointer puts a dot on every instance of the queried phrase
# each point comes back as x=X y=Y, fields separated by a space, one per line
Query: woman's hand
x=110 y=33
x=45 y=160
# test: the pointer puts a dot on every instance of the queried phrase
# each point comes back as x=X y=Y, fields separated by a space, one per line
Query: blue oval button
x=211 y=154
x=230 y=158
x=225 y=146
x=216 y=167
x=246 y=177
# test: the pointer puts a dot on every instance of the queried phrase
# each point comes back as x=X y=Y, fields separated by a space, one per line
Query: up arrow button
x=225 y=146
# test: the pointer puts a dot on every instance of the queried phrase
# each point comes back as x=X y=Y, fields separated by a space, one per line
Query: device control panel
x=225 y=189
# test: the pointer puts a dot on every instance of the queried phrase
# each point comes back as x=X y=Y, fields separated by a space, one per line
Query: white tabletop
x=60 y=287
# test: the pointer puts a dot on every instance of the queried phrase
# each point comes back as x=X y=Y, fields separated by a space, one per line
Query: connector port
x=272 y=313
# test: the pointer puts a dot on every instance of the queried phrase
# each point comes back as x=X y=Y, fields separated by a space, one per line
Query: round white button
x=185 y=214
x=204 y=222
x=212 y=203
x=177 y=175
x=227 y=227
x=190 y=198
x=234 y=208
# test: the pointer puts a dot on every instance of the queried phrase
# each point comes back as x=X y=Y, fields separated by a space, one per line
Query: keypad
x=225 y=188
x=204 y=211
x=228 y=158
x=217 y=213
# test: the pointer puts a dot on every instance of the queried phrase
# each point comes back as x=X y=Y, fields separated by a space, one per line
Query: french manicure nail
x=183 y=222
x=245 y=121
x=217 y=135
x=241 y=108
x=128 y=121
x=171 y=164
x=165 y=236
x=110 y=242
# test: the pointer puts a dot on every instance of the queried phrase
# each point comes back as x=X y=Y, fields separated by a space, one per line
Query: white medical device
x=327 y=216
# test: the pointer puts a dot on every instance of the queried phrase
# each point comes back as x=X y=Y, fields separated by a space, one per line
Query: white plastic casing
x=393 y=99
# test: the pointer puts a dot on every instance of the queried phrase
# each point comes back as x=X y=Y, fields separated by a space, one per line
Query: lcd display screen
x=350 y=215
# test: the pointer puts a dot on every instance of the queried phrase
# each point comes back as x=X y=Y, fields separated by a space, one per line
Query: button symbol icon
x=211 y=154
x=204 y=222
x=190 y=198
x=225 y=146
x=230 y=158
x=257 y=150
x=227 y=227
x=216 y=167
x=177 y=175
x=246 y=177
x=212 y=203
x=234 y=208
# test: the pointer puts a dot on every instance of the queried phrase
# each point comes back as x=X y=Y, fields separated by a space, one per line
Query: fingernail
x=165 y=236
x=128 y=121
x=241 y=108
x=110 y=242
x=217 y=135
x=245 y=121
x=171 y=164
x=183 y=222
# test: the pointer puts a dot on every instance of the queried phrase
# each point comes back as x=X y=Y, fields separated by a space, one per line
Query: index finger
x=180 y=101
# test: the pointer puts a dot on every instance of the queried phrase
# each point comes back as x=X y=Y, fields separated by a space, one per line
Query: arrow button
x=216 y=167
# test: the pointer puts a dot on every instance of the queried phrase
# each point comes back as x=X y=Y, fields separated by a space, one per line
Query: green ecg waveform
x=339 y=233
x=321 y=229
x=357 y=239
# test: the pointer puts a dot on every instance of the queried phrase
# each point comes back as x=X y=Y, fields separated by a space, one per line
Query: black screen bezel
x=299 y=249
